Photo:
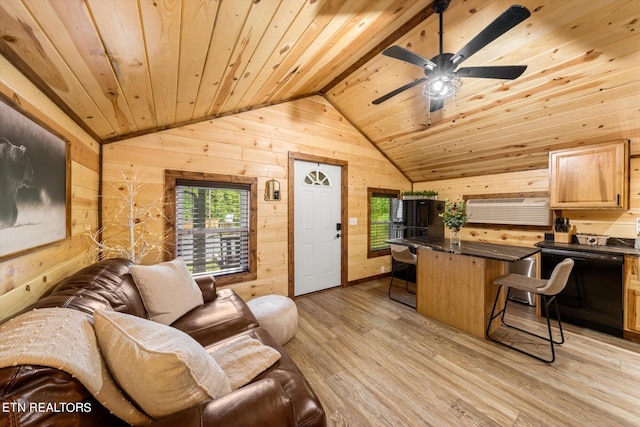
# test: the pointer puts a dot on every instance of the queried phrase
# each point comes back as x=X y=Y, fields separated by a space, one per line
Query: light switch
x=637 y=227
x=353 y=221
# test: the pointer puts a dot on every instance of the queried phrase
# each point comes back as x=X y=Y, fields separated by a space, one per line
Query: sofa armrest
x=207 y=284
x=262 y=403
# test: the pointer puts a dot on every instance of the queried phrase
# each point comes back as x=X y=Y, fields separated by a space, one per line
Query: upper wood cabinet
x=596 y=176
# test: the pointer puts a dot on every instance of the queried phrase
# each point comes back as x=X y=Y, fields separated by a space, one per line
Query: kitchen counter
x=468 y=248
x=455 y=285
x=618 y=246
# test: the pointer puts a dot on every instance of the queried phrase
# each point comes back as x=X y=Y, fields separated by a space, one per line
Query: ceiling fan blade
x=507 y=72
x=503 y=23
x=400 y=89
x=405 y=55
x=436 y=104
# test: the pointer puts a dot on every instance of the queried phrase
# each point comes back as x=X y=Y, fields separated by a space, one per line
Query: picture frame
x=34 y=183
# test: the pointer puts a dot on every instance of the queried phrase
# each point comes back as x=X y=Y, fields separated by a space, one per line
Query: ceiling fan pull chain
x=429 y=111
x=441 y=32
x=453 y=100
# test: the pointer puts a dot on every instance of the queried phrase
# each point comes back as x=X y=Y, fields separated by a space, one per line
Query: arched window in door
x=317 y=177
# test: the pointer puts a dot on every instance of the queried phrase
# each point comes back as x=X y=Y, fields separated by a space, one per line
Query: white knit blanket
x=64 y=339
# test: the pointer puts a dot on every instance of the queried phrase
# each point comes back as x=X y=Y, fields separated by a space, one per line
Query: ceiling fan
x=441 y=75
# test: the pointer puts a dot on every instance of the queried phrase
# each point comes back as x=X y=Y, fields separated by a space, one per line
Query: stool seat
x=524 y=283
x=277 y=314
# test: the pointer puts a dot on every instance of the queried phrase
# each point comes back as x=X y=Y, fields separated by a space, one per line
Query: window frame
x=171 y=179
x=377 y=192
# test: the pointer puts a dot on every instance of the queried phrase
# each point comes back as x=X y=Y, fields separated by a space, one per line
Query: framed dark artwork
x=33 y=184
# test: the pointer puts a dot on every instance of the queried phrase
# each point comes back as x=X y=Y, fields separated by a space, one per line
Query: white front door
x=317 y=212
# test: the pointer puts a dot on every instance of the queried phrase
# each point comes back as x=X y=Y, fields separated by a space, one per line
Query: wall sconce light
x=272 y=190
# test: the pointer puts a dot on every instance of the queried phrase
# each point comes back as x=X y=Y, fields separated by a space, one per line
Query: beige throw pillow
x=167 y=290
x=243 y=359
x=161 y=368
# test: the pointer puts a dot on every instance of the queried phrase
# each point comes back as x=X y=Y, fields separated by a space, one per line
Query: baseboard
x=367 y=279
x=632 y=336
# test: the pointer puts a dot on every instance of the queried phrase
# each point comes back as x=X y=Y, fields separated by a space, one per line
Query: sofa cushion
x=222 y=318
x=162 y=369
x=167 y=289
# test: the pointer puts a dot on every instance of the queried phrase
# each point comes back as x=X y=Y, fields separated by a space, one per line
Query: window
x=385 y=217
x=213 y=226
x=317 y=177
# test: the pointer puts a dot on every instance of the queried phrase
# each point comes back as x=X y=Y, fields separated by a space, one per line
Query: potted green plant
x=414 y=195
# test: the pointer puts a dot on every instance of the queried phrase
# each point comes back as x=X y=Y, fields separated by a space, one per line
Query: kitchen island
x=455 y=283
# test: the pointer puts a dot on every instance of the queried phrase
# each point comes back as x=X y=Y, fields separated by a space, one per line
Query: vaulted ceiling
x=125 y=67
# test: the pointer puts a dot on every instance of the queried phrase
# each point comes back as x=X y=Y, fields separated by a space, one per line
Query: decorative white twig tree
x=130 y=233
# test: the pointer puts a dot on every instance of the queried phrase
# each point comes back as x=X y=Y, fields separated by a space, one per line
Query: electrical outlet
x=382 y=269
x=637 y=227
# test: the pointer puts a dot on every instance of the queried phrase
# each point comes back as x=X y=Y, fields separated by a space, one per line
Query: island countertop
x=469 y=248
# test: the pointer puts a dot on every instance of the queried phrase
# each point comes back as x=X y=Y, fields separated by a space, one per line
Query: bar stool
x=547 y=289
x=401 y=256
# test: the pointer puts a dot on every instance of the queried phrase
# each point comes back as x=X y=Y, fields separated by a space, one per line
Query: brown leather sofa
x=280 y=396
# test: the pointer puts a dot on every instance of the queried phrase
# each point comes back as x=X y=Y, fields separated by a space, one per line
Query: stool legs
x=547 y=301
x=406 y=285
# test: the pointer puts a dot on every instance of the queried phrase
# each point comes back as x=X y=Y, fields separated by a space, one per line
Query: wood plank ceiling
x=121 y=68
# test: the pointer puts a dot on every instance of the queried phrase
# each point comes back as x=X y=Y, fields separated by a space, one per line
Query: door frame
x=344 y=264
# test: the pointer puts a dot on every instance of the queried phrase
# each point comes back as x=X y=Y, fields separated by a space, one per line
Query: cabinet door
x=633 y=307
x=631 y=294
x=589 y=177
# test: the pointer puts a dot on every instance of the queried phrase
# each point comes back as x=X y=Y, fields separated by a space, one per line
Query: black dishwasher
x=593 y=297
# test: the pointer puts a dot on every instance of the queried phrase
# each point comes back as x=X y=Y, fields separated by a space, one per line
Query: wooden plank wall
x=613 y=223
x=24 y=278
x=455 y=189
x=256 y=143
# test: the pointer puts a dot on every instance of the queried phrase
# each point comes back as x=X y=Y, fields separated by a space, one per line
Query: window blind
x=212 y=227
x=381 y=224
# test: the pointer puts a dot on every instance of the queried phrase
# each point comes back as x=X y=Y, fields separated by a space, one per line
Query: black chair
x=401 y=258
x=547 y=289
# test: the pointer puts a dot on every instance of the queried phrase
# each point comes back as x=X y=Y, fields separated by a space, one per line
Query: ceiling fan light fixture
x=442 y=76
x=442 y=86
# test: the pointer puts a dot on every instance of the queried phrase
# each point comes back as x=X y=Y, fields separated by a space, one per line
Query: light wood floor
x=375 y=362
